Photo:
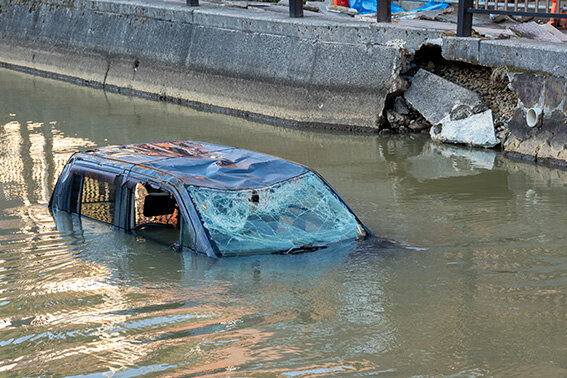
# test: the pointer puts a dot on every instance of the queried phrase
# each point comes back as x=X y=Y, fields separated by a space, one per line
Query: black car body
x=210 y=199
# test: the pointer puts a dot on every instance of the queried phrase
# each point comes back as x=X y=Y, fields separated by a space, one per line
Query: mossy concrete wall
x=537 y=73
x=547 y=142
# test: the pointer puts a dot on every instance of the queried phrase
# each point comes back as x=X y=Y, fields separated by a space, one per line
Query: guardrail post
x=384 y=10
x=295 y=8
x=464 y=18
x=193 y=3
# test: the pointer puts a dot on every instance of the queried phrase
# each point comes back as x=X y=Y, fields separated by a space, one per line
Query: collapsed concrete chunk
x=458 y=114
x=544 y=33
x=435 y=97
x=475 y=130
x=235 y=4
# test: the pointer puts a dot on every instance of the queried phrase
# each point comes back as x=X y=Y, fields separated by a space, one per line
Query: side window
x=155 y=215
x=154 y=207
x=98 y=199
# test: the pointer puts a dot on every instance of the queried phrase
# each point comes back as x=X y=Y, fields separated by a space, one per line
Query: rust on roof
x=205 y=164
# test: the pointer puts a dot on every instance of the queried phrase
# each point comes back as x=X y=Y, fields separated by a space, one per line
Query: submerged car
x=209 y=199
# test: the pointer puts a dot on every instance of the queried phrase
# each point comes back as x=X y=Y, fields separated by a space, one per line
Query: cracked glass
x=292 y=214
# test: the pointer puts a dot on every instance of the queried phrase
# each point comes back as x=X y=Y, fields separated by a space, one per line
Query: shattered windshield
x=299 y=213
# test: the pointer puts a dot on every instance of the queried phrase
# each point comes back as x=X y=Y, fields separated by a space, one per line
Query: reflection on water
x=481 y=291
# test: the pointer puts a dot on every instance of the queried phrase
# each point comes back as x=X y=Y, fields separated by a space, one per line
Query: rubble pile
x=490 y=84
x=403 y=119
x=458 y=115
x=467 y=90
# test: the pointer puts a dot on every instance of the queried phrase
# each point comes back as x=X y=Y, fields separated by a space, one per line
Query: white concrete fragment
x=476 y=130
x=235 y=4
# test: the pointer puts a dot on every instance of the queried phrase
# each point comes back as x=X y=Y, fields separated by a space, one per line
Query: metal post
x=464 y=18
x=193 y=3
x=383 y=10
x=295 y=8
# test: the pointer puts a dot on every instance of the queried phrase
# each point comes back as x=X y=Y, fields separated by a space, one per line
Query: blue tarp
x=431 y=5
x=369 y=6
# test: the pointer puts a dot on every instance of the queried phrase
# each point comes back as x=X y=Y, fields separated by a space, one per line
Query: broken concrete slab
x=341 y=9
x=493 y=33
x=435 y=97
x=235 y=4
x=309 y=5
x=431 y=15
x=457 y=114
x=535 y=31
x=475 y=130
x=556 y=32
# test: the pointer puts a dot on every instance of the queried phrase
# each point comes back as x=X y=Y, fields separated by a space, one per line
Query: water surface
x=480 y=291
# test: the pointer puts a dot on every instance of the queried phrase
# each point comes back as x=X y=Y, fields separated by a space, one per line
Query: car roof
x=205 y=164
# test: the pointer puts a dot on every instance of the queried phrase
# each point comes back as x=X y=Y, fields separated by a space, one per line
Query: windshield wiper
x=302 y=249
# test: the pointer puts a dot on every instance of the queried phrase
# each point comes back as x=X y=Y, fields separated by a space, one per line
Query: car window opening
x=98 y=199
x=156 y=214
x=154 y=207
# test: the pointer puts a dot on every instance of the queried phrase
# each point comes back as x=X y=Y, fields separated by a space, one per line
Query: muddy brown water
x=481 y=290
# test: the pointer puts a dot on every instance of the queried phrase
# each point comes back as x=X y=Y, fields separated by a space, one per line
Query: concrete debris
x=458 y=114
x=340 y=9
x=417 y=126
x=556 y=32
x=476 y=130
x=493 y=32
x=400 y=106
x=498 y=18
x=435 y=97
x=401 y=119
x=369 y=17
x=313 y=6
x=235 y=4
x=395 y=119
x=432 y=15
x=535 y=31
x=490 y=84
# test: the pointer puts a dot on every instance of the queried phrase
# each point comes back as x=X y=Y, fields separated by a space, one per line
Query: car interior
x=155 y=214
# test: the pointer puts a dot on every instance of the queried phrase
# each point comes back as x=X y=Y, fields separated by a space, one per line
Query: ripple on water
x=481 y=291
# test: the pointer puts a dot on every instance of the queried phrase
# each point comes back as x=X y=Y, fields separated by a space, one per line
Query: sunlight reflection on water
x=479 y=290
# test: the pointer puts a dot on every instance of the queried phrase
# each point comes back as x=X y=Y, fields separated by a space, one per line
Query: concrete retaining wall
x=515 y=54
x=248 y=62
x=547 y=142
x=313 y=71
x=538 y=75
